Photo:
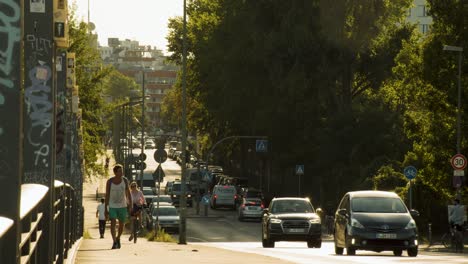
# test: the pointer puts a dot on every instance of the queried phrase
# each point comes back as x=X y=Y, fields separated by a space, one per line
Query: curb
x=72 y=252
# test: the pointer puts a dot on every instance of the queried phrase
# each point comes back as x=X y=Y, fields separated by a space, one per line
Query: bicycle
x=453 y=239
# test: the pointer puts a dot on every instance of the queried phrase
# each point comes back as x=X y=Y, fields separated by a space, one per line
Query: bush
x=160 y=236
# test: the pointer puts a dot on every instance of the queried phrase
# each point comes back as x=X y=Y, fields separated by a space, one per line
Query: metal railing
x=32 y=245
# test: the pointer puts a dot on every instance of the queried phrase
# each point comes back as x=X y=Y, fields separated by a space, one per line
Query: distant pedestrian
x=119 y=200
x=101 y=214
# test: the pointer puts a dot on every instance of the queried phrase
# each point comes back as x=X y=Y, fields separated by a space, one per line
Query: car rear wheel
x=412 y=252
x=397 y=252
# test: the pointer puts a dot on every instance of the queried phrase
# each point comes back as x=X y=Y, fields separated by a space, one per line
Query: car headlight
x=174 y=195
x=275 y=221
x=188 y=195
x=411 y=224
x=314 y=221
x=355 y=223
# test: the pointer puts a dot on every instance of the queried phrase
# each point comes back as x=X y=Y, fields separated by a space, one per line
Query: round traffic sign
x=410 y=172
x=160 y=155
x=142 y=157
x=458 y=162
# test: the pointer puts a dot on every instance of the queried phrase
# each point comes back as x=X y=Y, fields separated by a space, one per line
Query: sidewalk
x=93 y=250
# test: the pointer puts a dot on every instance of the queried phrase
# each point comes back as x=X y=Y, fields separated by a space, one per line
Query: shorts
x=118 y=213
x=136 y=209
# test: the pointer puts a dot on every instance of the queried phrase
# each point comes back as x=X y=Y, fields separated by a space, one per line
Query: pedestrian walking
x=119 y=202
x=101 y=215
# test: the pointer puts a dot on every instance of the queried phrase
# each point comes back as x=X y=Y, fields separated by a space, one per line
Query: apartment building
x=132 y=60
x=418 y=14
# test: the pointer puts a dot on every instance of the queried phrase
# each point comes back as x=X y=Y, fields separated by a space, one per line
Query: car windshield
x=162 y=199
x=165 y=211
x=177 y=188
x=291 y=206
x=377 y=205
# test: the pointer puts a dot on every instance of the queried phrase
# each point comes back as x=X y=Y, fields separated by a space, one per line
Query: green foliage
x=346 y=88
x=90 y=75
x=387 y=179
x=160 y=236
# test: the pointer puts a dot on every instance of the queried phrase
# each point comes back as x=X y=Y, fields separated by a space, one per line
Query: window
x=422 y=10
x=378 y=205
x=424 y=28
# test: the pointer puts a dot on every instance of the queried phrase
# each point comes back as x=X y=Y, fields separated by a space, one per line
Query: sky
x=141 y=20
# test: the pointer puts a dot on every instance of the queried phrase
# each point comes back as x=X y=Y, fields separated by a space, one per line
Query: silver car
x=168 y=217
x=251 y=208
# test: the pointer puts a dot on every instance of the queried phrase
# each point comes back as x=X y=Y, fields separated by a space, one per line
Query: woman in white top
x=138 y=202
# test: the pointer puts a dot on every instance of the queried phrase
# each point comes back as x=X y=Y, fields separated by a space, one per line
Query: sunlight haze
x=141 y=20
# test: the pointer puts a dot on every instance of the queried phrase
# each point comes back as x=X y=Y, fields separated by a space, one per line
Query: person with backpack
x=118 y=203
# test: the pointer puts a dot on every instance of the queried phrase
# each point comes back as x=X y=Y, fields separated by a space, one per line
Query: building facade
x=418 y=14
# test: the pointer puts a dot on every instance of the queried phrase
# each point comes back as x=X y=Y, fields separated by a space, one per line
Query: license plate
x=386 y=235
x=296 y=230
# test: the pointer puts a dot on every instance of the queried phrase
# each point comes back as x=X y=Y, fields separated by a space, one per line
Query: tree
x=90 y=76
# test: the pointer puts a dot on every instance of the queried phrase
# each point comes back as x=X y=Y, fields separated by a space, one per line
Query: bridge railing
x=32 y=245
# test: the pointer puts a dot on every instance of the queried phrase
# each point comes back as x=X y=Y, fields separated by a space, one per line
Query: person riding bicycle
x=138 y=202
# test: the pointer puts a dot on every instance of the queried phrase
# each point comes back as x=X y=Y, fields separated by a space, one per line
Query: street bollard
x=206 y=209
x=97 y=193
x=429 y=234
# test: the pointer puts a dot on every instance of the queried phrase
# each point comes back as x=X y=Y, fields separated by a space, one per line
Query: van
x=223 y=195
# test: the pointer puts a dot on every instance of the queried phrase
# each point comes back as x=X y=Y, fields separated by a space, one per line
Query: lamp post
x=183 y=199
x=460 y=54
x=142 y=124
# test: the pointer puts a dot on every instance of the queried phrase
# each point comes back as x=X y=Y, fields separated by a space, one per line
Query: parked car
x=291 y=219
x=164 y=200
x=168 y=217
x=250 y=208
x=223 y=195
x=168 y=187
x=149 y=194
x=376 y=221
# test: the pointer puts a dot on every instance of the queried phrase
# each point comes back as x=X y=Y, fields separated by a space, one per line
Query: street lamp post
x=460 y=54
x=183 y=199
x=142 y=125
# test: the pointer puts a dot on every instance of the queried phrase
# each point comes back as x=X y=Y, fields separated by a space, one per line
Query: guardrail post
x=11 y=104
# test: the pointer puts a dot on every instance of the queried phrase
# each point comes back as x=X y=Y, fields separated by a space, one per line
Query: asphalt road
x=222 y=229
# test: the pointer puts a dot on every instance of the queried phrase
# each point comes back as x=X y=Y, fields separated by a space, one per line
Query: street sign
x=410 y=172
x=158 y=174
x=142 y=157
x=299 y=169
x=458 y=162
x=457 y=181
x=261 y=145
x=458 y=173
x=160 y=155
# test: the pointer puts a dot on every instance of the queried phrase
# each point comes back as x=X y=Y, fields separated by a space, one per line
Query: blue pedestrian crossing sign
x=261 y=145
x=410 y=172
x=299 y=169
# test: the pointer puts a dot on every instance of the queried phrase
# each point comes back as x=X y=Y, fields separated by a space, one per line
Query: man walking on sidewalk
x=101 y=214
x=119 y=200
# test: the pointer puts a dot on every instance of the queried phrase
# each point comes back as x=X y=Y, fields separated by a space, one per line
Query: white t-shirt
x=101 y=208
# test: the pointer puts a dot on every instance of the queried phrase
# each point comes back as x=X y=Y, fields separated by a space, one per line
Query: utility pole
x=142 y=126
x=183 y=199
